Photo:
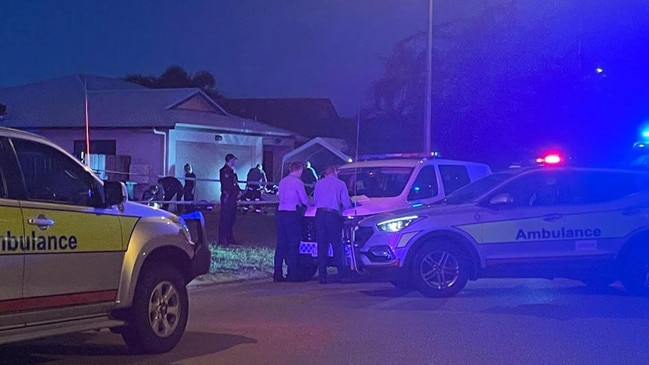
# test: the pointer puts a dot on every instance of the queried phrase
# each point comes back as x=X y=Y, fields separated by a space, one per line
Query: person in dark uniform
x=309 y=177
x=291 y=195
x=173 y=189
x=230 y=193
x=256 y=183
x=188 y=189
x=330 y=198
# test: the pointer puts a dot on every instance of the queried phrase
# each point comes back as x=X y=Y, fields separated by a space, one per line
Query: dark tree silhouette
x=175 y=77
x=504 y=90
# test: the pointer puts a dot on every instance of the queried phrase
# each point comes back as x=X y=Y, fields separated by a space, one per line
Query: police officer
x=230 y=192
x=309 y=177
x=330 y=197
x=256 y=182
x=173 y=189
x=190 y=185
x=291 y=196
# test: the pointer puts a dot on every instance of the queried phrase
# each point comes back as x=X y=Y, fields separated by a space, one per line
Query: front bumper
x=202 y=259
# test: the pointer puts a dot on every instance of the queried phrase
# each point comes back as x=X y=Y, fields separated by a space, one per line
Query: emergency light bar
x=385 y=156
x=550 y=159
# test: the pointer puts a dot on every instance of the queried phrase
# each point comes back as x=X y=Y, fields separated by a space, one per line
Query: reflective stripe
x=54 y=301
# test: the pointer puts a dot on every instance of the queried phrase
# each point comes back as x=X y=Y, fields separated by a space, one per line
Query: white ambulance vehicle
x=586 y=224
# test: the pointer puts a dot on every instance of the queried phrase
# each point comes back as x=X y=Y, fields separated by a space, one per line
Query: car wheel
x=635 y=272
x=306 y=268
x=158 y=317
x=440 y=270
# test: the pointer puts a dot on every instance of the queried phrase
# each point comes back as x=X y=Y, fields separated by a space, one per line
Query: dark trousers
x=188 y=196
x=226 y=222
x=289 y=233
x=329 y=229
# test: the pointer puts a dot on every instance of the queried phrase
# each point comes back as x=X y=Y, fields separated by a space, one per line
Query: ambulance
x=76 y=256
x=550 y=221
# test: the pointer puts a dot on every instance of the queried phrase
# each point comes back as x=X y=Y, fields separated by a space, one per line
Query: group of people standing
x=330 y=198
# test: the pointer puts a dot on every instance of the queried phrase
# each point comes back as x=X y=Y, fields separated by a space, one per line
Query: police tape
x=202 y=202
x=267 y=183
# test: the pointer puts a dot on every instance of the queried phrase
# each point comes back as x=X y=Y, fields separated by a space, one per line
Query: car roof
x=17 y=133
x=406 y=162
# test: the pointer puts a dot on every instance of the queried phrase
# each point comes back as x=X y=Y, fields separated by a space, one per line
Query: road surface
x=491 y=322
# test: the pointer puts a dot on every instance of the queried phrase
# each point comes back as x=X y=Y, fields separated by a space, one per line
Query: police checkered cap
x=229 y=157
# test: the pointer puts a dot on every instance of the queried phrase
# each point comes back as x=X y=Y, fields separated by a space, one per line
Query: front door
x=73 y=250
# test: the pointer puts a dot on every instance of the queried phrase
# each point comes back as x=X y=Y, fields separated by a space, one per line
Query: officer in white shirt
x=291 y=195
x=330 y=198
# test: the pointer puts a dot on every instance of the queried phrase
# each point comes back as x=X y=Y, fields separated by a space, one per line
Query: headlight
x=397 y=224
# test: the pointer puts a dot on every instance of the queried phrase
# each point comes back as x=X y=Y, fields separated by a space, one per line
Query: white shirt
x=331 y=193
x=291 y=193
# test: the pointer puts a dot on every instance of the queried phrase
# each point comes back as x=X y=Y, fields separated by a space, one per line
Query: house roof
x=115 y=103
x=311 y=117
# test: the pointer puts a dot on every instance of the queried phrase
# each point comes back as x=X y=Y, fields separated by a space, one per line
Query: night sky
x=254 y=48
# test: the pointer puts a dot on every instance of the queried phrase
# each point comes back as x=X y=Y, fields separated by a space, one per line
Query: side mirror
x=115 y=192
x=501 y=199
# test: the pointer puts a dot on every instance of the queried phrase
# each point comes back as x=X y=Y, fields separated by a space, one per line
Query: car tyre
x=158 y=317
x=440 y=270
x=635 y=272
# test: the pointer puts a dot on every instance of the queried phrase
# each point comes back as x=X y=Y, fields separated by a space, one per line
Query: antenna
x=85 y=90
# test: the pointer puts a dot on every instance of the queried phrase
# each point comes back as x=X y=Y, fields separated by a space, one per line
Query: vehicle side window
x=593 y=187
x=453 y=177
x=425 y=185
x=51 y=176
x=537 y=189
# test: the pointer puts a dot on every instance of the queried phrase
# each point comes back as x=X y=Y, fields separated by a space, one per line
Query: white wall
x=207 y=156
x=142 y=145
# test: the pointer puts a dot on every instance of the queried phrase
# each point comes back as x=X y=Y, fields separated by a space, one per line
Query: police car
x=384 y=183
x=76 y=256
x=579 y=223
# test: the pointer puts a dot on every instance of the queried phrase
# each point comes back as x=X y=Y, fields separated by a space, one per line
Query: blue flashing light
x=599 y=70
x=417 y=205
x=416 y=188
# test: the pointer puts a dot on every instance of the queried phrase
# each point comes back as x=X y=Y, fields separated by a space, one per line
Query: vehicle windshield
x=375 y=182
x=473 y=191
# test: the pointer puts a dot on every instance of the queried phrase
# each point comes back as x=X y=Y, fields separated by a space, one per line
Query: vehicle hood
x=448 y=214
x=140 y=210
x=365 y=206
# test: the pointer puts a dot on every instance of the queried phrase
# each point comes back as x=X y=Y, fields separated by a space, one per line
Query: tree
x=175 y=77
x=504 y=88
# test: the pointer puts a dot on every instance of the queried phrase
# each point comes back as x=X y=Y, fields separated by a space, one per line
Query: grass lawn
x=241 y=259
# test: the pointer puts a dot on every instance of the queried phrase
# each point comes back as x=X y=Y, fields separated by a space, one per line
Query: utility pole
x=428 y=128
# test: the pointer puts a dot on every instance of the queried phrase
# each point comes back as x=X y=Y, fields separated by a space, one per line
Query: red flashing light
x=551 y=159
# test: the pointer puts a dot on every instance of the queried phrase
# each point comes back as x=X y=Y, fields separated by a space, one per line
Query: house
x=159 y=129
x=328 y=138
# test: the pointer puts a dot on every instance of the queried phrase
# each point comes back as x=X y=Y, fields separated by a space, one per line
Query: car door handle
x=40 y=222
x=552 y=217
